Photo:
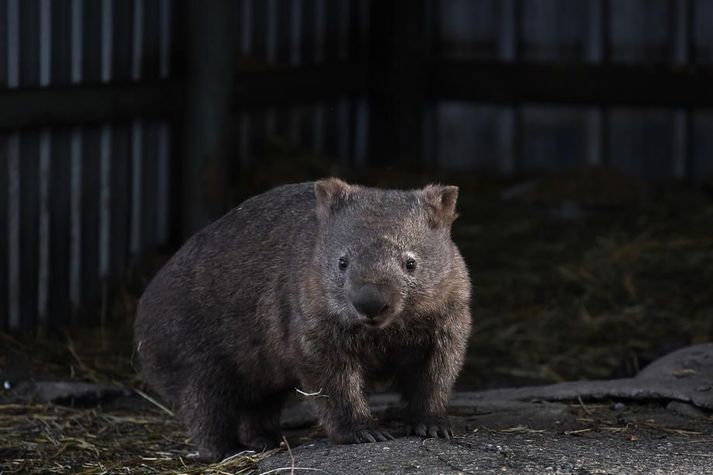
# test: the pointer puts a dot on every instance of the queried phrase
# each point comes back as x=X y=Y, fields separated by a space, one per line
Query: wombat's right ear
x=331 y=194
x=441 y=202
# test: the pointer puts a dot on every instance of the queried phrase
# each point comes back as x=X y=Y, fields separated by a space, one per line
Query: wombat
x=319 y=287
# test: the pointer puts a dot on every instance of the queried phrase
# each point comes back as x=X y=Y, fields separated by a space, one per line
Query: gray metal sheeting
x=78 y=202
x=657 y=144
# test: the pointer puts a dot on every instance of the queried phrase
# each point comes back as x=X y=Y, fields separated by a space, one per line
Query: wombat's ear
x=331 y=194
x=441 y=203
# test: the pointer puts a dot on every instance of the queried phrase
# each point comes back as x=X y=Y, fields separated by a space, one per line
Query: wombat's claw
x=432 y=429
x=371 y=435
x=262 y=443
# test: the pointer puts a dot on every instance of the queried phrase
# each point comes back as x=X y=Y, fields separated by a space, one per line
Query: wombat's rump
x=318 y=286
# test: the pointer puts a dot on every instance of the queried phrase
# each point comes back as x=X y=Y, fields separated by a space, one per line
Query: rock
x=66 y=392
x=685 y=409
x=677 y=376
x=692 y=362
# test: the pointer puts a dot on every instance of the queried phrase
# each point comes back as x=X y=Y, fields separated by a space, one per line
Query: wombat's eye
x=410 y=264
x=343 y=263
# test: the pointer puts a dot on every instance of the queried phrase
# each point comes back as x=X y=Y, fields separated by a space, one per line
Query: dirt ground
x=587 y=276
x=130 y=436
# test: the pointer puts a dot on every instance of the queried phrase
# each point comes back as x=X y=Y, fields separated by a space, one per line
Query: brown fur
x=265 y=300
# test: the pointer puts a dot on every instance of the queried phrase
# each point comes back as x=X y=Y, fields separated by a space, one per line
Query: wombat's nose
x=370 y=301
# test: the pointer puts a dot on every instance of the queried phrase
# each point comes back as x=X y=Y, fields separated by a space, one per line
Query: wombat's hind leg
x=212 y=419
x=260 y=422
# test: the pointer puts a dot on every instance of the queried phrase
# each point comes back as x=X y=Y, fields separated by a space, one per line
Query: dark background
x=580 y=132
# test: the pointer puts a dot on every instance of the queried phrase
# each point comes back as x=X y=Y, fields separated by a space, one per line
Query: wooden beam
x=584 y=84
x=74 y=105
x=294 y=86
x=493 y=82
x=398 y=41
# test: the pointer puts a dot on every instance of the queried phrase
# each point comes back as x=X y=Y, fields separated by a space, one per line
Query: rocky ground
x=656 y=422
x=521 y=450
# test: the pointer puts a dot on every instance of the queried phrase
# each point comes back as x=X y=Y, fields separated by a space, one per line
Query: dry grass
x=38 y=438
x=597 y=295
x=130 y=437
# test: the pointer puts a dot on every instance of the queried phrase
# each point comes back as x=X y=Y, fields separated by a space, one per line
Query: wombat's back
x=202 y=303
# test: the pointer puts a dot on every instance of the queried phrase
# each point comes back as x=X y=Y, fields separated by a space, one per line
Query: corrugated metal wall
x=295 y=33
x=655 y=143
x=78 y=202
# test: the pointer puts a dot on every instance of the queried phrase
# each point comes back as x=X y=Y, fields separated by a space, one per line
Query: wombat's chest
x=386 y=363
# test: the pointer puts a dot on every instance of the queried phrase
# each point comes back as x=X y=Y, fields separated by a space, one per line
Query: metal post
x=208 y=123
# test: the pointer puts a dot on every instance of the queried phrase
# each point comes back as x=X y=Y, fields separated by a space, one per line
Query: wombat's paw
x=435 y=427
x=361 y=435
x=261 y=443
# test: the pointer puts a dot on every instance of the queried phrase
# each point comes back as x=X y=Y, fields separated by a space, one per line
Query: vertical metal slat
x=29 y=228
x=77 y=22
x=344 y=126
x=508 y=34
x=149 y=193
x=594 y=54
x=271 y=32
x=137 y=43
x=58 y=308
x=45 y=42
x=344 y=21
x=320 y=25
x=246 y=24
x=137 y=149
x=244 y=138
x=361 y=132
x=164 y=56
x=105 y=155
x=4 y=231
x=120 y=193
x=91 y=214
x=75 y=239
x=296 y=32
x=680 y=143
x=44 y=226
x=13 y=43
x=13 y=241
x=162 y=188
x=3 y=43
x=319 y=128
x=681 y=117
x=107 y=33
x=507 y=51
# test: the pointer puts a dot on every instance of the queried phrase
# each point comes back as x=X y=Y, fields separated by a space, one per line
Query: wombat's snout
x=371 y=301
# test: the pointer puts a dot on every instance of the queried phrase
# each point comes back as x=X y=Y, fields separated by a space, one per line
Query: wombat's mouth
x=380 y=321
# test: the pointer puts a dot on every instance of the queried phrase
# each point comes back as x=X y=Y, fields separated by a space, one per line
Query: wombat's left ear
x=331 y=195
x=441 y=201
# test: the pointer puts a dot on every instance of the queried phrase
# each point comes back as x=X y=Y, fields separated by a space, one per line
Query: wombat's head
x=383 y=254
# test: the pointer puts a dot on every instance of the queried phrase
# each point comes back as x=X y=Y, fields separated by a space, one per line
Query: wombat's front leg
x=426 y=386
x=341 y=403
